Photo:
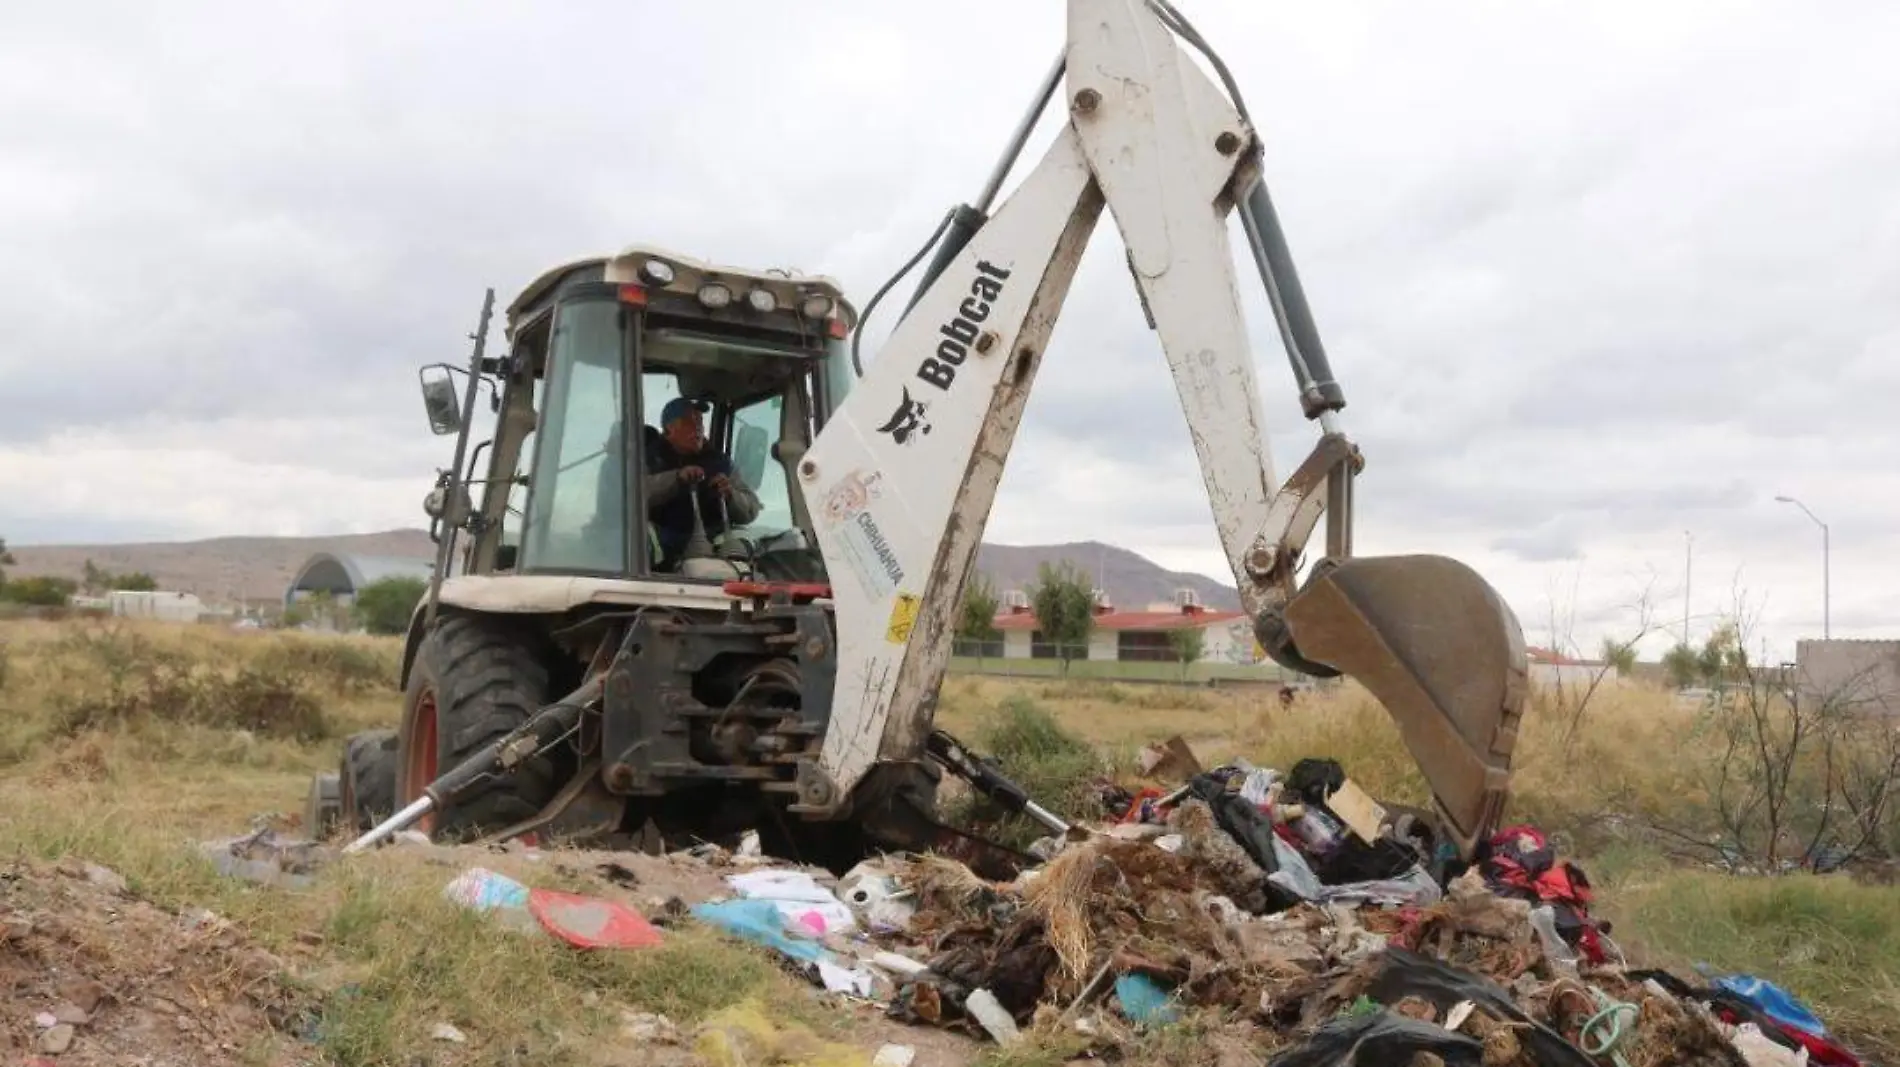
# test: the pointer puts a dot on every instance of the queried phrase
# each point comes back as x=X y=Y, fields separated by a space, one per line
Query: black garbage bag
x=1354 y=860
x=1380 y=1040
x=1316 y=779
x=1404 y=973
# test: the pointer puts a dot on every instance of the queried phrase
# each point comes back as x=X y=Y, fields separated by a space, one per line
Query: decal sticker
x=855 y=531
x=907 y=421
x=871 y=556
x=903 y=618
x=852 y=494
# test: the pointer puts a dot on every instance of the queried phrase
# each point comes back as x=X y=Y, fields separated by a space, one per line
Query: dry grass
x=108 y=758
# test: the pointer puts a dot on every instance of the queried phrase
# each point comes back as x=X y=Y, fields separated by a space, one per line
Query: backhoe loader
x=573 y=672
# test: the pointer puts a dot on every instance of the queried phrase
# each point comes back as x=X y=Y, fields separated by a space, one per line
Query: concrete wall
x=1572 y=676
x=1862 y=675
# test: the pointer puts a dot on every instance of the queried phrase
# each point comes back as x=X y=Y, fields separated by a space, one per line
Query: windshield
x=756 y=393
x=577 y=494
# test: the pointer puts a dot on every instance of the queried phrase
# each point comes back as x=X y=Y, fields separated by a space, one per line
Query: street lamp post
x=1824 y=560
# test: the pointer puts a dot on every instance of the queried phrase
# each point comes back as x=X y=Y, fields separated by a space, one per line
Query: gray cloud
x=1591 y=276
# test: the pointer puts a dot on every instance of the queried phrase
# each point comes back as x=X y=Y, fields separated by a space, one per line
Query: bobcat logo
x=906 y=422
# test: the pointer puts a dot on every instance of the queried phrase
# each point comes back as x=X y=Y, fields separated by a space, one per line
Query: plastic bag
x=1378 y=1041
x=1404 y=973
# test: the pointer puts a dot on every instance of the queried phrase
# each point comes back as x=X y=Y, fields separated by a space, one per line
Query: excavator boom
x=901 y=479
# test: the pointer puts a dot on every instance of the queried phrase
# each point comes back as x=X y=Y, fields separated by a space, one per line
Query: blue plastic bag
x=1774 y=1001
x=1144 y=1001
x=760 y=922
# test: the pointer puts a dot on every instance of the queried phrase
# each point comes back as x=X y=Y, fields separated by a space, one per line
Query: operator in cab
x=679 y=462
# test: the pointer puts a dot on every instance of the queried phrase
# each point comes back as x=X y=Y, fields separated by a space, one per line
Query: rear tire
x=367 y=778
x=475 y=678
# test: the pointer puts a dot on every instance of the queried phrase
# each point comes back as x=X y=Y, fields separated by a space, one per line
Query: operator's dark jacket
x=669 y=507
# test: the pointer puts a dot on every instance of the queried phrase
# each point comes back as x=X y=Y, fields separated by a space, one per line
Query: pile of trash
x=1341 y=934
x=1329 y=930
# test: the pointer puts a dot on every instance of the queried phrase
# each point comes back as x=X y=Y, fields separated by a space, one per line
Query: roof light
x=835 y=329
x=762 y=301
x=633 y=294
x=657 y=272
x=816 y=306
x=714 y=295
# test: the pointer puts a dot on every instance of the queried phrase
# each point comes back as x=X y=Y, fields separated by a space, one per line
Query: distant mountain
x=1132 y=581
x=261 y=568
x=221 y=569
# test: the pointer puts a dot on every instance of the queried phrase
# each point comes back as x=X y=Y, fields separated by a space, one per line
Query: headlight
x=657 y=272
x=762 y=301
x=816 y=306
x=714 y=295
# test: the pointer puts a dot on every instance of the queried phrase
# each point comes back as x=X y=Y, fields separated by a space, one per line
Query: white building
x=1136 y=636
x=160 y=605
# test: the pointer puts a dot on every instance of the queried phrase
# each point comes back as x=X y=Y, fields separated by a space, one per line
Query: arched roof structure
x=344 y=573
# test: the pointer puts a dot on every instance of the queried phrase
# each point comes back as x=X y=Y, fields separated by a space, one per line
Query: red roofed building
x=1136 y=636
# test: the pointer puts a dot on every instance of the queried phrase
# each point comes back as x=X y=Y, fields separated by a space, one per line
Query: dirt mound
x=92 y=975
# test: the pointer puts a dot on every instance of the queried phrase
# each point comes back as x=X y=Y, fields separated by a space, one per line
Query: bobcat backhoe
x=785 y=676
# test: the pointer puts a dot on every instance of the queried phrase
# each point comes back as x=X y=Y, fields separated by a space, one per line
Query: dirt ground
x=94 y=976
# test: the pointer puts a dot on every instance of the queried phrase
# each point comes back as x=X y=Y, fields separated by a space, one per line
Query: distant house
x=1556 y=670
x=1135 y=636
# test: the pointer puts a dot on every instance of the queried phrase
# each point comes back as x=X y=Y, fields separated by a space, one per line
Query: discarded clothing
x=1518 y=862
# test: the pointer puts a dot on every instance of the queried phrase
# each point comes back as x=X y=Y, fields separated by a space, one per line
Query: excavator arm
x=901 y=479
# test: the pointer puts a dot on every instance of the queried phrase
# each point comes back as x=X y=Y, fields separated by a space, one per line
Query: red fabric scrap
x=589 y=922
x=1820 y=1049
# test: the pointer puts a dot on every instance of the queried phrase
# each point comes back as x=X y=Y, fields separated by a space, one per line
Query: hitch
x=542 y=730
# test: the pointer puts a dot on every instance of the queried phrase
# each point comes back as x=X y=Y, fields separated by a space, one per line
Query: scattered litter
x=46 y=1020
x=1780 y=1005
x=799 y=897
x=590 y=922
x=880 y=902
x=445 y=1032
x=748 y=1035
x=1144 y=1001
x=894 y=1056
x=581 y=921
x=983 y=1007
x=761 y=922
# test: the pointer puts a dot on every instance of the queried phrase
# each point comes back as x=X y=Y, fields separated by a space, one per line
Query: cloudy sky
x=1596 y=277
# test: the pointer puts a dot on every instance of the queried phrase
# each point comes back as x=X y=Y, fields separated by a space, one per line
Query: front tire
x=474 y=680
x=367 y=778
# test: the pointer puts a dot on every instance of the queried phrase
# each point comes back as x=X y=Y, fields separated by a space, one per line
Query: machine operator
x=679 y=455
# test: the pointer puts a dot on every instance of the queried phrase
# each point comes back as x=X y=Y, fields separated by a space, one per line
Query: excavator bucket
x=1439 y=648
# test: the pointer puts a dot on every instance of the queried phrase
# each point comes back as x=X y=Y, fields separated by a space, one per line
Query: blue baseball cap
x=677 y=408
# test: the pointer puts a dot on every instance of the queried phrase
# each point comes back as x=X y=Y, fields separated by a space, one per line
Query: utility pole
x=1825 y=629
x=1688 y=557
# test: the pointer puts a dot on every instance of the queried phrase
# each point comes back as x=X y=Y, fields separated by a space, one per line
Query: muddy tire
x=367 y=778
x=474 y=680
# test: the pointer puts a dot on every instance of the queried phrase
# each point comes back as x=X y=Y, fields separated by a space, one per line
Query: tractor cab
x=577 y=479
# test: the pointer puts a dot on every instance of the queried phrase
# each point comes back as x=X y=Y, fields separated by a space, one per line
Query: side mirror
x=749 y=454
x=438 y=399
